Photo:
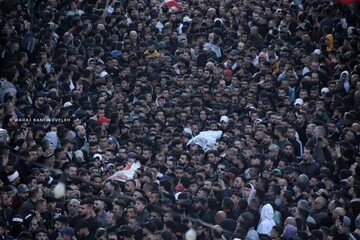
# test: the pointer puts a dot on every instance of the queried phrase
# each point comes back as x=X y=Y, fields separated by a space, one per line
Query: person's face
x=288 y=150
x=238 y=182
x=208 y=169
x=40 y=101
x=111 y=218
x=42 y=208
x=139 y=206
x=74 y=206
x=208 y=184
x=93 y=138
x=222 y=146
x=312 y=182
x=316 y=204
x=24 y=195
x=350 y=182
x=281 y=93
x=307 y=154
x=349 y=136
x=167 y=217
x=103 y=142
x=153 y=199
x=193 y=188
x=42 y=236
x=73 y=172
x=303 y=94
x=221 y=169
x=183 y=160
x=247 y=153
x=98 y=205
x=274 y=234
x=239 y=144
x=291 y=133
x=132 y=223
x=137 y=194
x=58 y=225
x=332 y=87
x=259 y=135
x=138 y=150
x=179 y=173
x=246 y=192
x=201 y=194
x=305 y=38
x=34 y=224
x=84 y=210
x=101 y=113
x=250 y=97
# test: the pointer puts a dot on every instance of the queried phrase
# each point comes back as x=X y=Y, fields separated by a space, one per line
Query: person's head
x=134 y=222
x=286 y=196
x=245 y=220
x=154 y=197
x=35 y=193
x=82 y=228
x=319 y=132
x=291 y=133
x=61 y=222
x=140 y=204
x=179 y=172
x=42 y=234
x=319 y=203
x=86 y=208
x=40 y=205
x=310 y=130
x=288 y=150
x=23 y=192
x=307 y=154
x=73 y=206
x=99 y=205
x=239 y=182
x=156 y=213
x=130 y=186
x=280 y=131
x=276 y=232
x=130 y=211
x=72 y=170
x=248 y=189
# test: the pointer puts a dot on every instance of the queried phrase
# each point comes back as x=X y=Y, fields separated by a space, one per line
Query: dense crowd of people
x=115 y=100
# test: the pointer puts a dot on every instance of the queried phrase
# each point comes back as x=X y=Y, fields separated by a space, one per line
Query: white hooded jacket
x=266 y=220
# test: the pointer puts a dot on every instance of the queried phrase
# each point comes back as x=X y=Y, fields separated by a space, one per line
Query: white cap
x=224 y=119
x=188 y=130
x=67 y=104
x=177 y=195
x=97 y=155
x=103 y=74
x=298 y=101
x=187 y=19
x=13 y=176
x=325 y=90
x=317 y=52
x=218 y=19
x=109 y=165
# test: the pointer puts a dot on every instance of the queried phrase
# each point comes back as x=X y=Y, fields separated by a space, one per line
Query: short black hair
x=142 y=200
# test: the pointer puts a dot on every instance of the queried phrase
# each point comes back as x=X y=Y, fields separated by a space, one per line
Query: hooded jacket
x=266 y=220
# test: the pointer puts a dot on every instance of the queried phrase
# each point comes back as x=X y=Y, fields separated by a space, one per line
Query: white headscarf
x=52 y=136
x=346 y=80
x=252 y=192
